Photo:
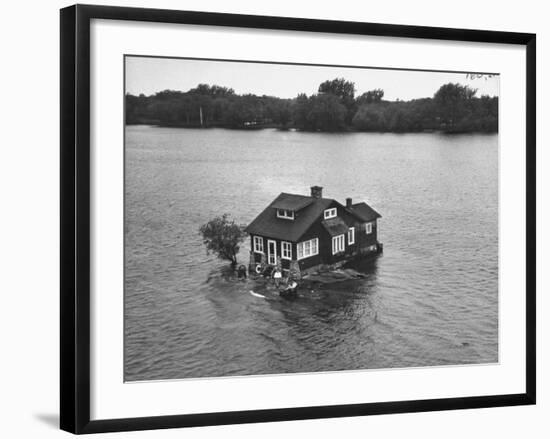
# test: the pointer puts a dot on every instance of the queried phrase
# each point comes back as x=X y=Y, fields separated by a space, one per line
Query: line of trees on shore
x=454 y=108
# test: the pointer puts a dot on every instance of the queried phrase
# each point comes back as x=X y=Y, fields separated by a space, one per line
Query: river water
x=430 y=299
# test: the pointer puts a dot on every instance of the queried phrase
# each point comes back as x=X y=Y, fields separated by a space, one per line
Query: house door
x=271 y=252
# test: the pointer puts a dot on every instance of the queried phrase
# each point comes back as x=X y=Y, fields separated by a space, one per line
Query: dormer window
x=330 y=213
x=285 y=214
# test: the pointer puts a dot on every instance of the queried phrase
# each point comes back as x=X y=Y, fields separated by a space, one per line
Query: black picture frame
x=75 y=218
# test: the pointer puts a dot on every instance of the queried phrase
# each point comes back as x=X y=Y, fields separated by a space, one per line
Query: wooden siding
x=362 y=238
x=285 y=263
x=315 y=231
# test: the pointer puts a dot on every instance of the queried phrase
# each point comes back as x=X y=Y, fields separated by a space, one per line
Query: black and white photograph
x=262 y=220
x=293 y=218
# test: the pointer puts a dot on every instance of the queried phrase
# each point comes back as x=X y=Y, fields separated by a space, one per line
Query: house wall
x=315 y=231
x=285 y=263
x=362 y=239
x=325 y=256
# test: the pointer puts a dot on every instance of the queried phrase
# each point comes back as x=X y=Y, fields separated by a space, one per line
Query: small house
x=303 y=233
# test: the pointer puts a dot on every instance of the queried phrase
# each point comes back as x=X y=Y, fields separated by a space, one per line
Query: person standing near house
x=277 y=276
x=241 y=272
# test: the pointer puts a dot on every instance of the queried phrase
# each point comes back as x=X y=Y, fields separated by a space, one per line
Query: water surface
x=430 y=299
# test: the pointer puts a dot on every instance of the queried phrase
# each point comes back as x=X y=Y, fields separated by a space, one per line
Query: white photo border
x=112 y=398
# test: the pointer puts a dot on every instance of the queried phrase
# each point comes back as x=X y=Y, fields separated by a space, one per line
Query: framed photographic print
x=268 y=218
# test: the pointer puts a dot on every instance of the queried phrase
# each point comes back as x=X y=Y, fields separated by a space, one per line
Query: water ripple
x=430 y=299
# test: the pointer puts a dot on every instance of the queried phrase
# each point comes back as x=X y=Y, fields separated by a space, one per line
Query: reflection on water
x=430 y=299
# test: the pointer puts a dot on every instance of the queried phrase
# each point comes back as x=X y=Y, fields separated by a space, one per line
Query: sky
x=149 y=75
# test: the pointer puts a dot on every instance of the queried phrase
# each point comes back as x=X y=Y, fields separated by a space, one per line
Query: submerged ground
x=430 y=299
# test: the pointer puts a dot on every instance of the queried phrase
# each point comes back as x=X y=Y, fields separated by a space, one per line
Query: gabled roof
x=267 y=224
x=364 y=212
x=307 y=211
x=291 y=202
x=335 y=226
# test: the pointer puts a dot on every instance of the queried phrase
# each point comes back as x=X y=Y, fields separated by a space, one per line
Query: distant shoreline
x=454 y=108
x=294 y=129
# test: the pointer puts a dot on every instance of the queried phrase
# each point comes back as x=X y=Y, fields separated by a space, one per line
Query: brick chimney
x=348 y=202
x=316 y=191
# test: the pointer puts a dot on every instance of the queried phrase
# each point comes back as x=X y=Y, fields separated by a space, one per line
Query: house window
x=286 y=250
x=271 y=252
x=368 y=228
x=330 y=213
x=285 y=214
x=351 y=235
x=308 y=248
x=338 y=244
x=258 y=244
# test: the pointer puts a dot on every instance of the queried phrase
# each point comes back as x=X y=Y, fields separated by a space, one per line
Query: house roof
x=291 y=202
x=308 y=210
x=267 y=224
x=335 y=226
x=364 y=212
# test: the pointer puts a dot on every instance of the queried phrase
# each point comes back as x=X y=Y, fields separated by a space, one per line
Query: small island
x=299 y=237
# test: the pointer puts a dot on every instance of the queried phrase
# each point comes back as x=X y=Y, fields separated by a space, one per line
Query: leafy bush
x=223 y=236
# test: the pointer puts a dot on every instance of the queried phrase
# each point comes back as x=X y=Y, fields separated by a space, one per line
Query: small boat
x=261 y=296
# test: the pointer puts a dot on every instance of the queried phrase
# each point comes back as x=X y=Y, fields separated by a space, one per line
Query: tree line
x=454 y=108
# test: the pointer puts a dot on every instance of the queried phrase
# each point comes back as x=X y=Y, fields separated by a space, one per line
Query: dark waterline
x=430 y=299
